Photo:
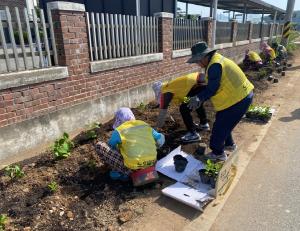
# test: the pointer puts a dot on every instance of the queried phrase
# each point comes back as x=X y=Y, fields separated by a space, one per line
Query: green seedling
x=142 y=106
x=259 y=112
x=3 y=221
x=14 y=171
x=212 y=169
x=53 y=186
x=91 y=133
x=62 y=147
x=186 y=99
x=91 y=164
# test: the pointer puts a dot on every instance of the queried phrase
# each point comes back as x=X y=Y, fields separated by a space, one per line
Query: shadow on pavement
x=295 y=115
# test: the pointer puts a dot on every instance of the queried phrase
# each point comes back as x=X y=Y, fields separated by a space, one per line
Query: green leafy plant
x=53 y=186
x=291 y=45
x=14 y=171
x=3 y=221
x=62 y=147
x=142 y=106
x=91 y=133
x=186 y=99
x=212 y=169
x=259 y=112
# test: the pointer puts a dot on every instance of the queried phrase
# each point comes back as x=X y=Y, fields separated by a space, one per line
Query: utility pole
x=214 y=23
x=287 y=20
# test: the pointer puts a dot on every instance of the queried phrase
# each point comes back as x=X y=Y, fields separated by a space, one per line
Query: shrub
x=14 y=171
x=91 y=133
x=62 y=147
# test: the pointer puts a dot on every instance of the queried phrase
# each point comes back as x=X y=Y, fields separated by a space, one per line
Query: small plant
x=186 y=99
x=142 y=106
x=91 y=133
x=259 y=112
x=14 y=171
x=212 y=169
x=62 y=147
x=3 y=221
x=262 y=73
x=91 y=165
x=53 y=186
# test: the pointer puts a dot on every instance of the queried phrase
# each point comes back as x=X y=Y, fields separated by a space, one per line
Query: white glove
x=160 y=142
x=194 y=103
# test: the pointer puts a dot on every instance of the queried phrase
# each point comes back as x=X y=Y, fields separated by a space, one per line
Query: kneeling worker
x=132 y=145
x=230 y=92
x=252 y=60
x=177 y=91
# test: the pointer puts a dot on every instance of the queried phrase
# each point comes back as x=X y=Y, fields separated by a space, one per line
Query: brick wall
x=45 y=110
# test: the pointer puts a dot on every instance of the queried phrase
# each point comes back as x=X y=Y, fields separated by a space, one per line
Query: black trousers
x=186 y=112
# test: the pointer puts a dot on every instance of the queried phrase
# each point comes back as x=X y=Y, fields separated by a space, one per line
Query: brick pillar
x=165 y=31
x=234 y=32
x=208 y=25
x=250 y=32
x=71 y=37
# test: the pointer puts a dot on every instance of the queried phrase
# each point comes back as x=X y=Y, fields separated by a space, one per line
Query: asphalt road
x=268 y=194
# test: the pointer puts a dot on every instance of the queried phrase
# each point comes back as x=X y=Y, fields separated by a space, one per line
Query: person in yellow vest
x=281 y=53
x=267 y=53
x=132 y=145
x=175 y=92
x=230 y=92
x=252 y=60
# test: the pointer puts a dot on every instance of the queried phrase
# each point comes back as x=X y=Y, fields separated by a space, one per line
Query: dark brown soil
x=87 y=199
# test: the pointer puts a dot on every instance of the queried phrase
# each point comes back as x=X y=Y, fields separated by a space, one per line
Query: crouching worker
x=281 y=53
x=131 y=150
x=267 y=53
x=177 y=91
x=252 y=60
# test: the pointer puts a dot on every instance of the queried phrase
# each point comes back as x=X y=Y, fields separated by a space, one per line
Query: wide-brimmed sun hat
x=199 y=51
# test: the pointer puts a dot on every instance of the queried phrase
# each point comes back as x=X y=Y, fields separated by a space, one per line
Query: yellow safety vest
x=180 y=87
x=254 y=57
x=137 y=144
x=234 y=85
x=272 y=53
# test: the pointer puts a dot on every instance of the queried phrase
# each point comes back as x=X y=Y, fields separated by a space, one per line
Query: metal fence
x=224 y=32
x=256 y=31
x=242 y=31
x=26 y=44
x=265 y=30
x=115 y=36
x=187 y=32
x=280 y=29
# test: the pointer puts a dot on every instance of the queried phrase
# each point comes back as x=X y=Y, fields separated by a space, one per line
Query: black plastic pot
x=270 y=78
x=275 y=81
x=201 y=149
x=180 y=163
x=284 y=68
x=212 y=181
x=205 y=179
x=283 y=73
x=289 y=64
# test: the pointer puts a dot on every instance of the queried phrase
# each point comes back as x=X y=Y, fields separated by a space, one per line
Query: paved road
x=268 y=194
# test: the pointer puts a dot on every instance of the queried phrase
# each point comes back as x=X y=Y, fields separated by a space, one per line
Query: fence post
x=208 y=25
x=250 y=32
x=271 y=32
x=165 y=33
x=70 y=30
x=234 y=32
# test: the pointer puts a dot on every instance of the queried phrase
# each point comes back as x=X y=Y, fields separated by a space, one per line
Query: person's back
x=137 y=144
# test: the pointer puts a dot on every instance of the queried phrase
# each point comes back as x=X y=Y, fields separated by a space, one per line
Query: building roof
x=253 y=6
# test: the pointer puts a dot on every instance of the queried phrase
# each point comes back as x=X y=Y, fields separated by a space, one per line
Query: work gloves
x=161 y=117
x=194 y=103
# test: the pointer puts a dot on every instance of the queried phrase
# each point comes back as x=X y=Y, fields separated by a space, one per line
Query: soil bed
x=87 y=199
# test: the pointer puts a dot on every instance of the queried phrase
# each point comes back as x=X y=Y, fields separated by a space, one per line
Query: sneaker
x=191 y=137
x=231 y=148
x=204 y=127
x=214 y=157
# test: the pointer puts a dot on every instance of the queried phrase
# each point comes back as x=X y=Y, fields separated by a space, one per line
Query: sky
x=204 y=11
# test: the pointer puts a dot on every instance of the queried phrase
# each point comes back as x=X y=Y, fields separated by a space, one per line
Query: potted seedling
x=262 y=113
x=209 y=175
